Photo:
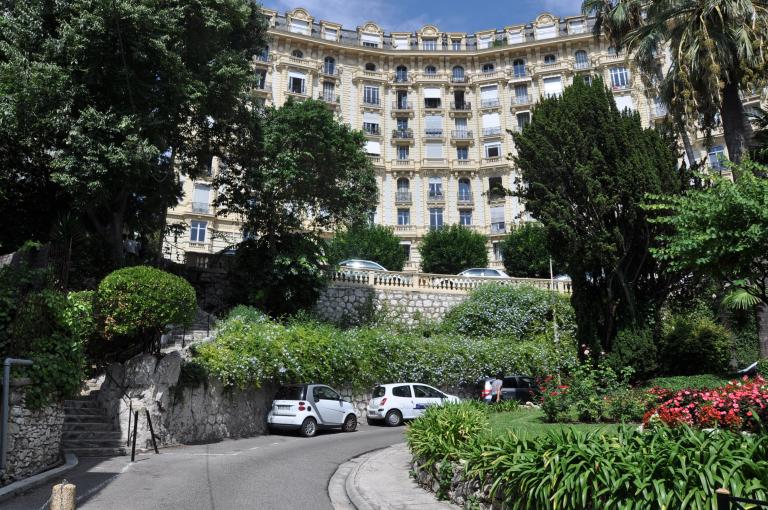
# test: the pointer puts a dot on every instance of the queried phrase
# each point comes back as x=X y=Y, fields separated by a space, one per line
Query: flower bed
x=739 y=406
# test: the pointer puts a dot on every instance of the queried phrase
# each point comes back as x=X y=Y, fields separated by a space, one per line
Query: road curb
x=7 y=492
x=342 y=488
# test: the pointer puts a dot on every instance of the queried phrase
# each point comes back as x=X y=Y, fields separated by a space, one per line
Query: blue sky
x=448 y=15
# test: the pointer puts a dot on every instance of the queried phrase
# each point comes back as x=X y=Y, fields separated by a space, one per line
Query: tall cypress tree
x=586 y=168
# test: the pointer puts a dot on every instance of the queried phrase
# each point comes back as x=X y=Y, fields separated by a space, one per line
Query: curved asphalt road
x=273 y=472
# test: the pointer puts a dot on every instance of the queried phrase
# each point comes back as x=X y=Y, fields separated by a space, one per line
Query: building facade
x=436 y=108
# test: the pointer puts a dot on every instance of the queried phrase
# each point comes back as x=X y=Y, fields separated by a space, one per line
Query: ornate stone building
x=436 y=108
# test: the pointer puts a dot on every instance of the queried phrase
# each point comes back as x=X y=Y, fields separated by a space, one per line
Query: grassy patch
x=530 y=422
x=689 y=382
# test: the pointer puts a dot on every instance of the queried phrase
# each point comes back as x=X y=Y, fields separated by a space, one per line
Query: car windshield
x=361 y=264
x=379 y=391
x=290 y=393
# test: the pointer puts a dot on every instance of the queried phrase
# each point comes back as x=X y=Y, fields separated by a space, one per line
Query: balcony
x=433 y=105
x=492 y=131
x=460 y=80
x=431 y=77
x=434 y=162
x=433 y=133
x=403 y=198
x=297 y=91
x=522 y=100
x=520 y=74
x=492 y=161
x=435 y=198
x=464 y=199
x=263 y=58
x=493 y=75
x=331 y=71
x=375 y=159
x=372 y=129
x=402 y=106
x=331 y=99
x=620 y=87
x=489 y=103
x=361 y=74
x=374 y=102
x=201 y=207
x=263 y=88
x=304 y=62
x=402 y=163
x=583 y=65
x=465 y=106
x=405 y=228
x=402 y=134
x=464 y=163
x=402 y=79
x=461 y=134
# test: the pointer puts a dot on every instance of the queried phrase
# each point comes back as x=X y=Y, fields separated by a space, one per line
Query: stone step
x=97 y=452
x=100 y=426
x=73 y=435
x=79 y=411
x=86 y=418
x=94 y=443
x=89 y=403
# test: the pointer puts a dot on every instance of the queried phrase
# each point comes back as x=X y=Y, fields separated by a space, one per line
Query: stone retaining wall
x=34 y=437
x=353 y=304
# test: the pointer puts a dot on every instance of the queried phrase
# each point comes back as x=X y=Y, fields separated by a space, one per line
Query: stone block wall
x=352 y=304
x=180 y=415
x=34 y=437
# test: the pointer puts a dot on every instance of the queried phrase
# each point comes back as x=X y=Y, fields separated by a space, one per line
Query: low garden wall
x=34 y=436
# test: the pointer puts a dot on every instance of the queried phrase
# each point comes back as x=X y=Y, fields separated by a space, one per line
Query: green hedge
x=251 y=348
x=569 y=470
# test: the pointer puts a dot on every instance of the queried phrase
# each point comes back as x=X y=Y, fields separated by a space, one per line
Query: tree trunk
x=762 y=329
x=736 y=130
x=690 y=155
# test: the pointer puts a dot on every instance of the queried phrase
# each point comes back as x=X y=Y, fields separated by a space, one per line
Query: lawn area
x=531 y=423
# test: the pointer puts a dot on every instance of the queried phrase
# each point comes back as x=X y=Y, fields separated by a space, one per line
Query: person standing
x=496 y=388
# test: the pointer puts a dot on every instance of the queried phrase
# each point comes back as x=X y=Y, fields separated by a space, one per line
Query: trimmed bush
x=525 y=252
x=695 y=345
x=519 y=311
x=688 y=382
x=250 y=349
x=635 y=349
x=369 y=242
x=141 y=301
x=452 y=249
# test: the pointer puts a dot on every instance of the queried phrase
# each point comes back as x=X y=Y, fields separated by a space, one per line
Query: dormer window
x=370 y=66
x=297 y=53
x=429 y=44
x=488 y=68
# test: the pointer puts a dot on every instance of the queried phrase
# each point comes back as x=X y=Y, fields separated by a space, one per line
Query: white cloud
x=353 y=13
x=562 y=8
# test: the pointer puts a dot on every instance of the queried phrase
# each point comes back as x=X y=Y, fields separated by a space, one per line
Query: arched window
x=297 y=53
x=401 y=74
x=581 y=59
x=403 y=185
x=370 y=66
x=430 y=70
x=465 y=190
x=488 y=68
x=329 y=65
x=458 y=73
x=550 y=59
x=518 y=67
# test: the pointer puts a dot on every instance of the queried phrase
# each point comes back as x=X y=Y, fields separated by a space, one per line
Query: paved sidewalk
x=380 y=480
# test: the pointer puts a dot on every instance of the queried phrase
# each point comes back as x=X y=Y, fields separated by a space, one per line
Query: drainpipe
x=4 y=425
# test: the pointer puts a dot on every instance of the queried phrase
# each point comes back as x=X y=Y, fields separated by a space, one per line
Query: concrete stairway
x=88 y=431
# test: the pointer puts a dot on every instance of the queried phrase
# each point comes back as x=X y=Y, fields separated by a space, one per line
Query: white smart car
x=310 y=407
x=396 y=402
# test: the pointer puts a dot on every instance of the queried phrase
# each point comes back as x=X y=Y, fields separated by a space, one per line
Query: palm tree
x=715 y=48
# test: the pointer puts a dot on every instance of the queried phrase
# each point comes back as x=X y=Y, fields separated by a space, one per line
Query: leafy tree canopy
x=370 y=242
x=587 y=168
x=525 y=252
x=452 y=249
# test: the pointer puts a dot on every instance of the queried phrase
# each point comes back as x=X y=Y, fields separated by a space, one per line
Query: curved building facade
x=436 y=108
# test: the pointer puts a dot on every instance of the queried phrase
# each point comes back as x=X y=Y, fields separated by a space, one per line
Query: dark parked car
x=514 y=387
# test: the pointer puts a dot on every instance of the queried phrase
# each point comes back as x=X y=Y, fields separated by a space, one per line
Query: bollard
x=63 y=496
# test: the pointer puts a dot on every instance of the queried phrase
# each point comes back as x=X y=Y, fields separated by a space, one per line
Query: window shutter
x=623 y=102
x=372 y=147
x=433 y=122
x=371 y=118
x=497 y=214
x=296 y=74
x=553 y=86
x=201 y=194
x=434 y=150
x=432 y=93
x=491 y=92
x=546 y=32
x=370 y=38
x=491 y=120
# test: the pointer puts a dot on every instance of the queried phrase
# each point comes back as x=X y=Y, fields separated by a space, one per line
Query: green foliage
x=46 y=331
x=505 y=406
x=525 y=253
x=452 y=249
x=250 y=349
x=587 y=168
x=280 y=278
x=142 y=300
x=517 y=311
x=16 y=282
x=762 y=367
x=688 y=382
x=116 y=96
x=369 y=242
x=635 y=349
x=695 y=346
x=437 y=435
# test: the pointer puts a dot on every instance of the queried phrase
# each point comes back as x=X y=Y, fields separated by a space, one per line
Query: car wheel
x=371 y=422
x=350 y=424
x=393 y=418
x=309 y=427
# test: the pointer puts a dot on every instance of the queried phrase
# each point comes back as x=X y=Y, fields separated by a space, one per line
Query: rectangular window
x=546 y=32
x=435 y=218
x=498 y=253
x=523 y=119
x=403 y=152
x=433 y=150
x=299 y=26
x=429 y=44
x=403 y=216
x=619 y=77
x=553 y=87
x=330 y=34
x=460 y=124
x=373 y=148
x=492 y=150
x=435 y=188
x=456 y=44
x=489 y=96
x=716 y=157
x=462 y=153
x=497 y=220
x=197 y=231
x=491 y=124
x=370 y=40
x=261 y=78
x=371 y=95
x=201 y=197
x=432 y=97
x=329 y=91
x=521 y=94
x=406 y=247
x=402 y=123
x=433 y=125
x=402 y=100
x=465 y=217
x=296 y=85
x=495 y=188
x=371 y=123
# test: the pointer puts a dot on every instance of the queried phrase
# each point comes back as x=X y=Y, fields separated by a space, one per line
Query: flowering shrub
x=741 y=405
